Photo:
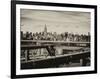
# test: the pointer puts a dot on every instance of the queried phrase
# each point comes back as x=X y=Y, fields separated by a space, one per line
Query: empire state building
x=45 y=29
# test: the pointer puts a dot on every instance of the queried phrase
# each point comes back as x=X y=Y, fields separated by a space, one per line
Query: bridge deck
x=86 y=53
x=43 y=41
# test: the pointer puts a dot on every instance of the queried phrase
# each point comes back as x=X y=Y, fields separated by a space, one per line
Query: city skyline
x=73 y=22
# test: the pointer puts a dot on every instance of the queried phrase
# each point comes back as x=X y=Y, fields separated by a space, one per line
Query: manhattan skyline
x=55 y=21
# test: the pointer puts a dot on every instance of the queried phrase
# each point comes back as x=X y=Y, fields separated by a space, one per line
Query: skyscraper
x=45 y=29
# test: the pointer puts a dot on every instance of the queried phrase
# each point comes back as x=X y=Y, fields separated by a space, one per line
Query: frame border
x=13 y=38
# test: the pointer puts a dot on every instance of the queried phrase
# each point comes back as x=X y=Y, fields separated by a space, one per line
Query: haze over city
x=55 y=21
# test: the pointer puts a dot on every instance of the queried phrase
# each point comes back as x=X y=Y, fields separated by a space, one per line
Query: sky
x=55 y=21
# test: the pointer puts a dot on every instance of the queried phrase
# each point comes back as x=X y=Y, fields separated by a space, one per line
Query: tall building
x=45 y=29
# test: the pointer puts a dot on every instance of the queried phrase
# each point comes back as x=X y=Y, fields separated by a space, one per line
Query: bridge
x=65 y=43
x=53 y=60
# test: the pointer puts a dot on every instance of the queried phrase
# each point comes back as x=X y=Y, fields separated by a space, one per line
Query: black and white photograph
x=53 y=39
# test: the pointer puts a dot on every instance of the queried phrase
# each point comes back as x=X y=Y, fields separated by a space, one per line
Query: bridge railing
x=63 y=43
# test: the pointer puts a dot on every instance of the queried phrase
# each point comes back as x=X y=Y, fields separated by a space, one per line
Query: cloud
x=59 y=21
